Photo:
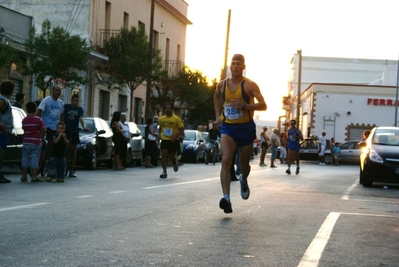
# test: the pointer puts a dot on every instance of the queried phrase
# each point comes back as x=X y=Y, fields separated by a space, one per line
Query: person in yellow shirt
x=234 y=104
x=170 y=128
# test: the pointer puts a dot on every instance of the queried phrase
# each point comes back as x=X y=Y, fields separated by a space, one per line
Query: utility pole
x=226 y=49
x=298 y=103
x=149 y=74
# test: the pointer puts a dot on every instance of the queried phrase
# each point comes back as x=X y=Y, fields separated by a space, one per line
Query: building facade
x=96 y=20
x=335 y=95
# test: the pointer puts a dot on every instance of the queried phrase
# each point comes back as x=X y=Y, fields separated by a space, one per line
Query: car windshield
x=205 y=135
x=89 y=125
x=189 y=136
x=388 y=137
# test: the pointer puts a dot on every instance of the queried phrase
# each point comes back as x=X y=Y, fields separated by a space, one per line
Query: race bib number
x=167 y=131
x=232 y=113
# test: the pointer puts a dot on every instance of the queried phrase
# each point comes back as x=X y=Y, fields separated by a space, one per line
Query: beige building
x=96 y=20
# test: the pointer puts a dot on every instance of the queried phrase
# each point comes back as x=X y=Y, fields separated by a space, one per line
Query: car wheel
x=327 y=159
x=129 y=159
x=361 y=176
x=196 y=159
x=92 y=164
x=366 y=182
x=138 y=162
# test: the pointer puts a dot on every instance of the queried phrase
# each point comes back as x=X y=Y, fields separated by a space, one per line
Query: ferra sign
x=382 y=102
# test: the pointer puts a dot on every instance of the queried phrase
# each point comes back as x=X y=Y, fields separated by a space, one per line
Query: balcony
x=172 y=67
x=105 y=35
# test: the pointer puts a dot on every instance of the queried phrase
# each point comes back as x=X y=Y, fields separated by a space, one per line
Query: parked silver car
x=135 y=147
x=350 y=152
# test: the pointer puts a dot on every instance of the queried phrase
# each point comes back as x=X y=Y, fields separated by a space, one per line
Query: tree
x=55 y=54
x=6 y=55
x=128 y=59
x=193 y=91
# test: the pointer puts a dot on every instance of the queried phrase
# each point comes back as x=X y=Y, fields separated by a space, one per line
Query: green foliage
x=193 y=90
x=128 y=58
x=55 y=54
x=7 y=55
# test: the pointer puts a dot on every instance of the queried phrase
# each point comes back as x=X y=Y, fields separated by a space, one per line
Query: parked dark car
x=13 y=153
x=142 y=132
x=135 y=147
x=379 y=157
x=309 y=150
x=96 y=144
x=193 y=146
x=350 y=152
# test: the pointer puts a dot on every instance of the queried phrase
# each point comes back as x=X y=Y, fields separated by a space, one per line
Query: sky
x=269 y=33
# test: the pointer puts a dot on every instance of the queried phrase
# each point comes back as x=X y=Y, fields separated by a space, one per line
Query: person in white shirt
x=322 y=147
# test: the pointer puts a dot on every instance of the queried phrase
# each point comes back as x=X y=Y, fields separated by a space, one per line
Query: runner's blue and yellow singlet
x=234 y=115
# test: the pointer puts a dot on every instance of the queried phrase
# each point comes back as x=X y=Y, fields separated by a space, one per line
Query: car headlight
x=375 y=157
x=190 y=146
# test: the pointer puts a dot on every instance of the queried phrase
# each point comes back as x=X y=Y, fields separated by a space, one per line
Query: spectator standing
x=275 y=143
x=33 y=127
x=73 y=114
x=170 y=128
x=213 y=135
x=57 y=161
x=126 y=138
x=365 y=135
x=51 y=110
x=117 y=138
x=264 y=138
x=155 y=156
x=337 y=153
x=283 y=148
x=150 y=143
x=322 y=147
x=19 y=100
x=332 y=145
x=6 y=121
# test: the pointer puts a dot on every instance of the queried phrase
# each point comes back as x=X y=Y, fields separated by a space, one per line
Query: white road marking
x=25 y=206
x=183 y=183
x=86 y=196
x=368 y=214
x=117 y=192
x=349 y=190
x=315 y=250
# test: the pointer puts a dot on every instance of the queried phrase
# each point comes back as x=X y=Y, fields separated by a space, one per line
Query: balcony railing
x=173 y=67
x=105 y=35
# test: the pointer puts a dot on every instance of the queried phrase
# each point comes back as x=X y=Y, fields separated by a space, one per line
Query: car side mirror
x=362 y=144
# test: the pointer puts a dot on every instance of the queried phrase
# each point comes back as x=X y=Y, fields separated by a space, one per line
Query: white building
x=341 y=95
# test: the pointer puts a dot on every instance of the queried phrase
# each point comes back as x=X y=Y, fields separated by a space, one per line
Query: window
x=125 y=20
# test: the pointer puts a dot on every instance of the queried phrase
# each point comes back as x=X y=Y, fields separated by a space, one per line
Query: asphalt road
x=321 y=217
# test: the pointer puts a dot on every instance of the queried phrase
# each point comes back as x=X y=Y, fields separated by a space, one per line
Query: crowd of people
x=52 y=119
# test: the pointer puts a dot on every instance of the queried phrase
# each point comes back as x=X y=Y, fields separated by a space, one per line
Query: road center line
x=349 y=190
x=183 y=183
x=24 y=206
x=315 y=250
x=117 y=192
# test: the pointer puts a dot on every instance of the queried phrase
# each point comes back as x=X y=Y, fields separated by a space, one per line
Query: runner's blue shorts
x=242 y=133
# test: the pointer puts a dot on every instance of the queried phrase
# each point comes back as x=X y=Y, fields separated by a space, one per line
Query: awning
x=96 y=56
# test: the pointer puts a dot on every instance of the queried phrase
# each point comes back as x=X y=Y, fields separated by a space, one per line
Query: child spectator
x=33 y=127
x=337 y=152
x=57 y=159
